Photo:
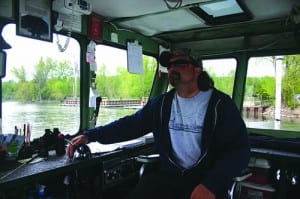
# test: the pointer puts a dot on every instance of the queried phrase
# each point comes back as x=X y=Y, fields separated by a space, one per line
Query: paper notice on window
x=135 y=58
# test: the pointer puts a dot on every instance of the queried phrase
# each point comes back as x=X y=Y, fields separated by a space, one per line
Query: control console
x=118 y=171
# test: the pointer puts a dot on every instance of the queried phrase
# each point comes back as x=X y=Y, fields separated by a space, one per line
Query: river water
x=66 y=118
x=48 y=116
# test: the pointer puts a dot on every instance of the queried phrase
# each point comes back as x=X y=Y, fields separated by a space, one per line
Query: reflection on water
x=262 y=122
x=107 y=115
x=66 y=118
x=48 y=116
x=41 y=116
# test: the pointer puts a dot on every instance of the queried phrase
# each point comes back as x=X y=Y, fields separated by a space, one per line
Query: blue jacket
x=225 y=145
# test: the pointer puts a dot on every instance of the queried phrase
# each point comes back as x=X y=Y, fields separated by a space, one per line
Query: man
x=198 y=131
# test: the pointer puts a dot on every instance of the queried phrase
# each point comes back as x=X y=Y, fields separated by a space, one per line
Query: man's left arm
x=231 y=148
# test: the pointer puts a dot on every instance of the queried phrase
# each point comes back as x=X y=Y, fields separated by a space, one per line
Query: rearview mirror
x=2 y=64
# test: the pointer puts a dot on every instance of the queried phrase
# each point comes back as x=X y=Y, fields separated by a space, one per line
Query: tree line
x=55 y=81
x=51 y=80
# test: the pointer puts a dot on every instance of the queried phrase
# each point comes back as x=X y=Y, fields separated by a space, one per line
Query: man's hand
x=201 y=192
x=3 y=147
x=81 y=139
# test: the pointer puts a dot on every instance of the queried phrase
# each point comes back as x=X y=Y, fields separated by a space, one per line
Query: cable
x=64 y=48
x=60 y=47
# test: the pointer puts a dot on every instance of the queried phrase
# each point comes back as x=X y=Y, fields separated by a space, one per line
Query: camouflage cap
x=164 y=58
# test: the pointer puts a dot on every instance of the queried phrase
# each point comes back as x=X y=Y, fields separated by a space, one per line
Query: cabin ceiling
x=212 y=19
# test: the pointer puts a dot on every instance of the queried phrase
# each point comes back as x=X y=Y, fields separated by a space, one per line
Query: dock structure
x=254 y=110
x=125 y=103
x=74 y=101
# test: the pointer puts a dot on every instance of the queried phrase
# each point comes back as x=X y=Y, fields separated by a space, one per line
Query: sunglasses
x=179 y=63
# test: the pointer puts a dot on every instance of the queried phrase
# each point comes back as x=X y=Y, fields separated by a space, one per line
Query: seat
x=151 y=162
x=235 y=188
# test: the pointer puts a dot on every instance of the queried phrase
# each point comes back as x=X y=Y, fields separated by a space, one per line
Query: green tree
x=263 y=88
x=224 y=83
x=9 y=90
x=20 y=74
x=150 y=68
x=124 y=84
x=43 y=69
x=59 y=89
x=52 y=80
x=62 y=70
x=27 y=91
x=291 y=80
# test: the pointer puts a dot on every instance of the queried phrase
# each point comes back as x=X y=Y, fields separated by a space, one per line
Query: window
x=222 y=71
x=222 y=8
x=41 y=87
x=222 y=11
x=122 y=93
x=271 y=98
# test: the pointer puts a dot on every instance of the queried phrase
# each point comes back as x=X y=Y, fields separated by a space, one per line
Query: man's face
x=182 y=72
